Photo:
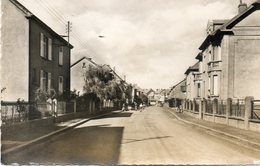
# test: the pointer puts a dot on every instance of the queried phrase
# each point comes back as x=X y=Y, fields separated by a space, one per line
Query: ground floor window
x=60 y=84
x=45 y=80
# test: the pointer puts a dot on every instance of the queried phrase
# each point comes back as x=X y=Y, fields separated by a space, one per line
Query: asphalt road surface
x=153 y=136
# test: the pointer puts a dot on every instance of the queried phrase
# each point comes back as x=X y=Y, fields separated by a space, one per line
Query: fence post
x=228 y=109
x=215 y=107
x=201 y=109
x=194 y=105
x=75 y=106
x=204 y=106
x=248 y=110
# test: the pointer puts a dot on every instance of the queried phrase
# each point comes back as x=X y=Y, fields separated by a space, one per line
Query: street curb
x=43 y=138
x=220 y=132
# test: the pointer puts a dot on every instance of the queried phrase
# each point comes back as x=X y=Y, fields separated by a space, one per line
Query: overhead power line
x=62 y=20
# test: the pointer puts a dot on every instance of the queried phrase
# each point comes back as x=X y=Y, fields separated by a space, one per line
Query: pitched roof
x=150 y=90
x=199 y=56
x=195 y=67
x=177 y=84
x=225 y=28
x=30 y=15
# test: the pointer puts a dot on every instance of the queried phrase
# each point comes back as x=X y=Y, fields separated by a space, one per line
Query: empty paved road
x=153 y=136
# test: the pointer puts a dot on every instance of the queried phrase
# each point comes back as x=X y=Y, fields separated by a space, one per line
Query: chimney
x=242 y=7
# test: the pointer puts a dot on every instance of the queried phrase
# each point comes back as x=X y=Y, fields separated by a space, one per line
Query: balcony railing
x=214 y=66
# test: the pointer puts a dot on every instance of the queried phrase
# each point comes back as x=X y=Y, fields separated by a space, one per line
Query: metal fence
x=221 y=109
x=256 y=109
x=196 y=107
x=209 y=107
x=13 y=112
x=16 y=112
x=238 y=108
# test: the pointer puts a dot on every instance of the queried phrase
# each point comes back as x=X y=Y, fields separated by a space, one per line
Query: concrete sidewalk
x=248 y=138
x=13 y=143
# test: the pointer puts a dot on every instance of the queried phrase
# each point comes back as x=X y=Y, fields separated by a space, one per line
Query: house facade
x=78 y=69
x=39 y=60
x=150 y=94
x=177 y=94
x=231 y=55
x=192 y=89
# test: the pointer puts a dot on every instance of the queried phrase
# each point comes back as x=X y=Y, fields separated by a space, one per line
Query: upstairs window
x=49 y=49
x=215 y=86
x=46 y=47
x=60 y=55
x=217 y=53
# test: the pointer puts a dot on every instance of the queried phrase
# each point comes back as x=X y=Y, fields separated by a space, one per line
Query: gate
x=256 y=109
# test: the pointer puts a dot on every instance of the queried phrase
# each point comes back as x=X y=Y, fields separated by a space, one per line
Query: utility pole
x=68 y=30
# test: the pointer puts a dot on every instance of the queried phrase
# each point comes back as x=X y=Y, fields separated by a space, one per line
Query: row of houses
x=35 y=57
x=227 y=66
x=156 y=97
x=36 y=69
x=228 y=60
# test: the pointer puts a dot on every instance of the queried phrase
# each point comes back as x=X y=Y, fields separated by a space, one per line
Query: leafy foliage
x=101 y=81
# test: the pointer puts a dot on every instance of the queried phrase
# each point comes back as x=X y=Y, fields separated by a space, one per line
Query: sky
x=151 y=42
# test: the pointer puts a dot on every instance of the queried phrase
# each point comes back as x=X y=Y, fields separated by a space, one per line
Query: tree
x=101 y=81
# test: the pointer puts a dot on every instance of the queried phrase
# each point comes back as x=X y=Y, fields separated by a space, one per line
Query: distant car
x=129 y=107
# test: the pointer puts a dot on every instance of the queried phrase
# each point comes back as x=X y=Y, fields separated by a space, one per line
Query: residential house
x=231 y=55
x=33 y=55
x=177 y=94
x=150 y=94
x=192 y=87
x=78 y=70
x=161 y=95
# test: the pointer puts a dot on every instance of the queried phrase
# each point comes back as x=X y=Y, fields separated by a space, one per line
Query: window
x=49 y=49
x=43 y=80
x=46 y=47
x=60 y=84
x=200 y=67
x=219 y=52
x=49 y=81
x=198 y=90
x=215 y=85
x=209 y=85
x=61 y=55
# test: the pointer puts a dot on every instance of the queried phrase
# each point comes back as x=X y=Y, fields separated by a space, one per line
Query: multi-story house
x=177 y=94
x=192 y=87
x=230 y=55
x=150 y=94
x=33 y=55
x=78 y=70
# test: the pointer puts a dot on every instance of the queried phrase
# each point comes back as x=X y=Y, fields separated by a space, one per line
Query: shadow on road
x=116 y=115
x=14 y=137
x=87 y=145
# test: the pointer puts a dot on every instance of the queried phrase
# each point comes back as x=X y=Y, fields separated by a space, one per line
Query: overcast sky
x=152 y=42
